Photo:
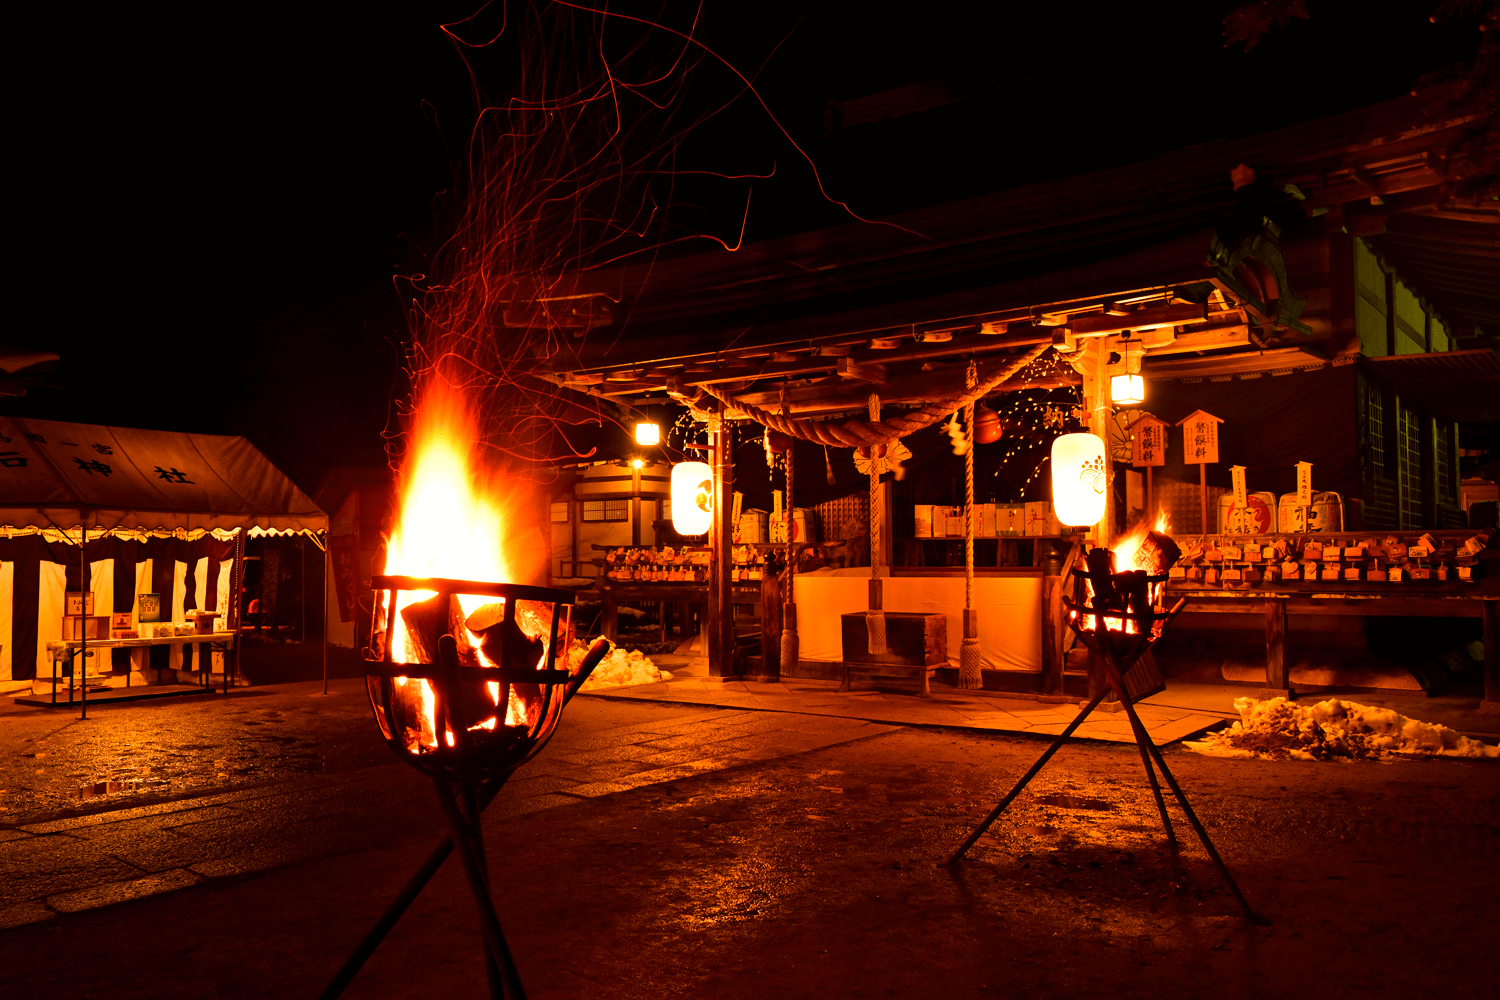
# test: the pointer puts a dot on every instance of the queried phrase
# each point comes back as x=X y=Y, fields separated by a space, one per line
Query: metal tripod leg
x=1041 y=762
x=399 y=905
x=1187 y=809
x=489 y=921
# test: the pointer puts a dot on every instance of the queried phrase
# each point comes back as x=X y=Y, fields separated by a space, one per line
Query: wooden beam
x=1233 y=364
x=862 y=371
x=1142 y=319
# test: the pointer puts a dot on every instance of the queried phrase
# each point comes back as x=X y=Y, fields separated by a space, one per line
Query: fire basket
x=1119 y=616
x=467 y=681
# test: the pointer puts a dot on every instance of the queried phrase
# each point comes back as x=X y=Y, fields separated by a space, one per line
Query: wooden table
x=612 y=592
x=1438 y=600
x=59 y=650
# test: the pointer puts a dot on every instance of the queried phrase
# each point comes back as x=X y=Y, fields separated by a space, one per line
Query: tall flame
x=454 y=522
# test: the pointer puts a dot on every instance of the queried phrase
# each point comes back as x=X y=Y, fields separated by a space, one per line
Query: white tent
x=165 y=512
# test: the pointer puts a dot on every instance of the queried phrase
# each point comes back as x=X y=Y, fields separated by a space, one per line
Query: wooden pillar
x=1052 y=627
x=721 y=541
x=1278 y=674
x=1491 y=703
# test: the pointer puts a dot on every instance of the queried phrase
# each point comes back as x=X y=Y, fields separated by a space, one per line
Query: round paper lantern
x=692 y=497
x=1078 y=480
x=986 y=425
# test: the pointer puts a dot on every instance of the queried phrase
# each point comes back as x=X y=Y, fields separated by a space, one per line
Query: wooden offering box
x=916 y=645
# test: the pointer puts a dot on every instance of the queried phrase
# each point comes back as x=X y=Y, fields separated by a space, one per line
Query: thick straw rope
x=855 y=433
x=789 y=640
x=875 y=616
x=968 y=653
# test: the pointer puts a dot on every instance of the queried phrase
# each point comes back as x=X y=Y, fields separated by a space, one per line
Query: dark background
x=213 y=205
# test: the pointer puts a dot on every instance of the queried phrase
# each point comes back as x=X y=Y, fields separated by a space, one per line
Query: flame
x=454 y=519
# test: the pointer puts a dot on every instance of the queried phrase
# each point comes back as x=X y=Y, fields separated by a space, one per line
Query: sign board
x=1148 y=442
x=343 y=555
x=1304 y=484
x=1237 y=481
x=1200 y=438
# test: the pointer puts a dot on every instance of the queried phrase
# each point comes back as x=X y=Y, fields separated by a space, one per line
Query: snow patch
x=1276 y=729
x=619 y=668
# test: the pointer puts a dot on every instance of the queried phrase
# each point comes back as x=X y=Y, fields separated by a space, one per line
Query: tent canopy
x=59 y=474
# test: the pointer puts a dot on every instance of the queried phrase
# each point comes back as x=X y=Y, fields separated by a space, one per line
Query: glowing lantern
x=692 y=497
x=1127 y=390
x=647 y=434
x=1078 y=480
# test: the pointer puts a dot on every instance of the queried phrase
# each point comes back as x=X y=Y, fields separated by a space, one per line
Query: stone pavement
x=947 y=707
x=116 y=851
x=817 y=876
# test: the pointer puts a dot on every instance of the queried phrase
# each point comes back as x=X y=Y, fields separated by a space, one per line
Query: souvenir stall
x=123 y=549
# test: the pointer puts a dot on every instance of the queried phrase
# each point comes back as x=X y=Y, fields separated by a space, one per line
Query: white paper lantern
x=692 y=497
x=647 y=434
x=1078 y=480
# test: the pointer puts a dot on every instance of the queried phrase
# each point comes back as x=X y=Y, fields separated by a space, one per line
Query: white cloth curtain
x=51 y=605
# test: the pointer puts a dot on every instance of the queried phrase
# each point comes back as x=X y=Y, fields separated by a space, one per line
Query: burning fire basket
x=1120 y=624
x=465 y=682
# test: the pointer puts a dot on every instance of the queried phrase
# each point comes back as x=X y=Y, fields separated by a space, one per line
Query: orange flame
x=455 y=518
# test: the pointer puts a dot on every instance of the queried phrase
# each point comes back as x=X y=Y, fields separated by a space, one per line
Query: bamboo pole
x=790 y=644
x=875 y=616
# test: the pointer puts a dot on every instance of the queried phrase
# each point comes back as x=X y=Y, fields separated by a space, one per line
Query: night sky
x=212 y=207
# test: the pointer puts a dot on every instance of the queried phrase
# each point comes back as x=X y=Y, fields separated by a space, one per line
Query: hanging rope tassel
x=875 y=617
x=968 y=653
x=790 y=647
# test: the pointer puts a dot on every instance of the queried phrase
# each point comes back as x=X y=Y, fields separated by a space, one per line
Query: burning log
x=1157 y=553
x=425 y=622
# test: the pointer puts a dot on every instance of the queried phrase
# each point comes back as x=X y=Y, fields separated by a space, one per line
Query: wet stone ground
x=54 y=762
x=667 y=851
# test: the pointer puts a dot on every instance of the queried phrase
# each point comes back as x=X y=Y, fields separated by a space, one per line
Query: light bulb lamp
x=1079 y=483
x=1119 y=617
x=1127 y=390
x=692 y=497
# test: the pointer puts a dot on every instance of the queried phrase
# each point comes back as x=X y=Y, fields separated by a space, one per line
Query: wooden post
x=721 y=539
x=1278 y=676
x=1203 y=500
x=1150 y=507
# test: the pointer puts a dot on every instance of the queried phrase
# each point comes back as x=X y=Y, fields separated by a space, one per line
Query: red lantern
x=987 y=427
x=777 y=443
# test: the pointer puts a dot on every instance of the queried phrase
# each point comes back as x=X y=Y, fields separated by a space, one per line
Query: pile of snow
x=1277 y=729
x=619 y=668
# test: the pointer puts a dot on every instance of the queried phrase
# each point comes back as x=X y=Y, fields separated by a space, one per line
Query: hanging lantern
x=776 y=442
x=648 y=434
x=1078 y=480
x=986 y=425
x=692 y=497
x=1127 y=390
